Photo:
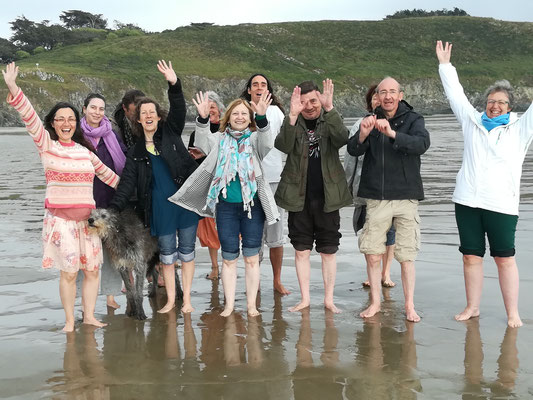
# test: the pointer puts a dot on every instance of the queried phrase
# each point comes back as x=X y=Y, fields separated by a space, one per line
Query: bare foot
x=112 y=303
x=187 y=308
x=166 y=308
x=514 y=322
x=252 y=312
x=332 y=307
x=69 y=327
x=370 y=311
x=366 y=284
x=387 y=283
x=278 y=287
x=93 y=321
x=212 y=275
x=467 y=314
x=300 y=306
x=411 y=315
x=227 y=312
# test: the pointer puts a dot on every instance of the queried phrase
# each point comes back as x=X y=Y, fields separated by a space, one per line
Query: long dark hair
x=78 y=133
x=368 y=97
x=245 y=95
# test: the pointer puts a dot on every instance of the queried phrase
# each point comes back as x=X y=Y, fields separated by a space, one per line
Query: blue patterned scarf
x=234 y=158
x=491 y=123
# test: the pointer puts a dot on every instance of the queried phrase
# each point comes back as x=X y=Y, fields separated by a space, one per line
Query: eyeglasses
x=62 y=120
x=392 y=92
x=499 y=102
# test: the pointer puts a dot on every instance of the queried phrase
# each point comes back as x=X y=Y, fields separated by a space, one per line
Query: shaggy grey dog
x=131 y=248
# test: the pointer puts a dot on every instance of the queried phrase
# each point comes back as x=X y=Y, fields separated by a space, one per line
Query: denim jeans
x=169 y=252
x=233 y=220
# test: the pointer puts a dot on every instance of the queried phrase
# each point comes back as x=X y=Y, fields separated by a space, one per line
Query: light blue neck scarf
x=491 y=123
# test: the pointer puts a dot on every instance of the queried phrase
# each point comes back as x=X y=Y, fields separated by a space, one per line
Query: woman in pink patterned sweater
x=70 y=167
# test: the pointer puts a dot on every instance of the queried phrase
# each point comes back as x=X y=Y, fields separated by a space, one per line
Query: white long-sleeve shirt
x=273 y=162
x=490 y=174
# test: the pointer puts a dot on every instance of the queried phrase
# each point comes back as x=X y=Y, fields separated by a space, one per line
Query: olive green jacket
x=293 y=141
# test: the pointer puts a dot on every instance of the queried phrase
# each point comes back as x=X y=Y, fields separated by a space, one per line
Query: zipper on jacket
x=382 y=166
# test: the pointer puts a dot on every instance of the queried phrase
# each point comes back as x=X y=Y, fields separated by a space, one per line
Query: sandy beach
x=279 y=355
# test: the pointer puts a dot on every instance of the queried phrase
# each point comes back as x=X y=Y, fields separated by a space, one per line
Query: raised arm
x=22 y=104
x=203 y=137
x=287 y=134
x=176 y=115
x=459 y=103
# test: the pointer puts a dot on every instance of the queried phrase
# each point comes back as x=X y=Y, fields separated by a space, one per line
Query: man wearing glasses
x=392 y=141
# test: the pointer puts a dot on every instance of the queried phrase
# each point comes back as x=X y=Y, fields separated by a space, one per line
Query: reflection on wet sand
x=476 y=386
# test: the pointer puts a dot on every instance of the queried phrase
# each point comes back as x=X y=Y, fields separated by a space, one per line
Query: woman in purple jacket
x=110 y=149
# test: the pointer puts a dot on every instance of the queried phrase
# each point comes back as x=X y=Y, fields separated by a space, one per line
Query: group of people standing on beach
x=232 y=175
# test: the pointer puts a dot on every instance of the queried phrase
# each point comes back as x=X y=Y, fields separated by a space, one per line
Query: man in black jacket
x=392 y=142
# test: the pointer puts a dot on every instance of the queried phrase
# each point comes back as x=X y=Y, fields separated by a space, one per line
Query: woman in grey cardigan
x=230 y=185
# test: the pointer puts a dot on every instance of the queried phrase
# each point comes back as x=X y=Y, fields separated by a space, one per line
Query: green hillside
x=352 y=53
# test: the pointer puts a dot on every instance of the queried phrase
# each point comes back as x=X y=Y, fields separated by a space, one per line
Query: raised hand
x=167 y=71
x=10 y=77
x=202 y=104
x=367 y=124
x=326 y=97
x=264 y=101
x=296 y=105
x=443 y=53
x=383 y=126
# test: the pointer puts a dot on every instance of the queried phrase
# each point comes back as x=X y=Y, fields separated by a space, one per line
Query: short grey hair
x=400 y=88
x=213 y=96
x=501 y=86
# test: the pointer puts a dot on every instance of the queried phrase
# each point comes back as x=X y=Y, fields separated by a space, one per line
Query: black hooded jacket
x=391 y=167
x=137 y=174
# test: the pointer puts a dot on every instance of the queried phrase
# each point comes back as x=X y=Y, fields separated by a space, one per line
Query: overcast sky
x=158 y=15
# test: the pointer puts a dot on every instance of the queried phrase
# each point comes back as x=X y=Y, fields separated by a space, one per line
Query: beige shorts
x=380 y=214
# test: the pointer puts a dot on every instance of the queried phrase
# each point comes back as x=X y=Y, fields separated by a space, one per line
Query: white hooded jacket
x=490 y=174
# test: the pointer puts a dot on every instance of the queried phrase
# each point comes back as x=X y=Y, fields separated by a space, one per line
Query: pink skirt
x=69 y=245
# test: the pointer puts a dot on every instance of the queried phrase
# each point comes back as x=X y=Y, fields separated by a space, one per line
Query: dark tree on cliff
x=7 y=51
x=28 y=34
x=73 y=19
x=417 y=12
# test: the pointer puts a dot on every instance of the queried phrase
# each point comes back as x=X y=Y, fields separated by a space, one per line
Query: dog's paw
x=141 y=316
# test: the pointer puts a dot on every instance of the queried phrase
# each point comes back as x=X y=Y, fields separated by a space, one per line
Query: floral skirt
x=69 y=245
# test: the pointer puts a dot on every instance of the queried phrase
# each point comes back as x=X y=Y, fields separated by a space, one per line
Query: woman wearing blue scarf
x=487 y=191
x=230 y=184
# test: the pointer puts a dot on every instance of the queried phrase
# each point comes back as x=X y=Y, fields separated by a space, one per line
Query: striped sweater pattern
x=69 y=169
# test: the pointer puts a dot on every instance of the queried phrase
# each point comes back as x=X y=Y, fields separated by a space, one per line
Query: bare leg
x=229 y=282
x=170 y=286
x=187 y=275
x=252 y=283
x=373 y=270
x=408 y=283
x=303 y=271
x=213 y=255
x=89 y=293
x=67 y=293
x=509 y=285
x=276 y=259
x=111 y=301
x=473 y=273
x=385 y=272
x=329 y=272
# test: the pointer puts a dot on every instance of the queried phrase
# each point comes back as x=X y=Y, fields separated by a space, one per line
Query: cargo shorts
x=403 y=215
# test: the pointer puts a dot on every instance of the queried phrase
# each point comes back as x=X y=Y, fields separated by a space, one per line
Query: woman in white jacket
x=487 y=190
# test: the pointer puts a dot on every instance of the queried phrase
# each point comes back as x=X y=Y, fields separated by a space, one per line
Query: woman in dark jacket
x=156 y=168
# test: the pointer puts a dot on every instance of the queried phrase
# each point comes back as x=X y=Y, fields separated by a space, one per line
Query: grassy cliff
x=352 y=53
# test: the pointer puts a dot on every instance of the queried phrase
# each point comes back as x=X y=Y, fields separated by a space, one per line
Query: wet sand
x=280 y=355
